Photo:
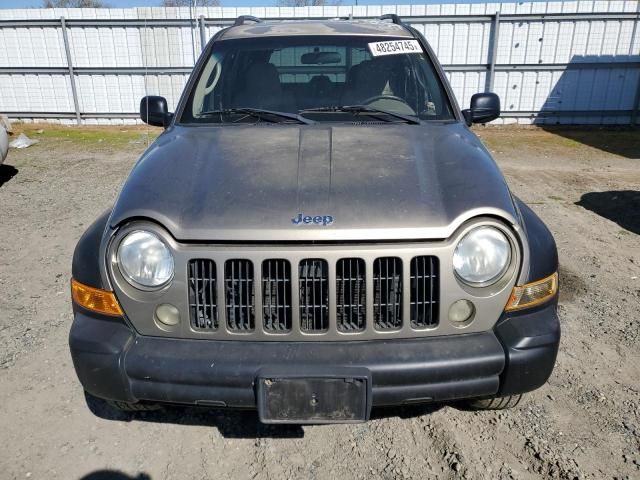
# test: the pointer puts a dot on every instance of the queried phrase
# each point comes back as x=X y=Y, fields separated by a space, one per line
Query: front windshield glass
x=301 y=75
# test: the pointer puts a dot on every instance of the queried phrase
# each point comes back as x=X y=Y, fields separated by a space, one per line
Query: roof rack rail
x=246 y=18
x=393 y=17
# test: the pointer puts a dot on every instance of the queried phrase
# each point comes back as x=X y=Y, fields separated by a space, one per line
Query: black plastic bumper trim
x=85 y=267
x=113 y=362
x=98 y=347
x=531 y=339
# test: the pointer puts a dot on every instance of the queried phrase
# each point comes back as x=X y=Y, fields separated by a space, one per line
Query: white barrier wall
x=550 y=62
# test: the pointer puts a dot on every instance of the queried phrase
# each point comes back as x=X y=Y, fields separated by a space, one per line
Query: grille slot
x=203 y=308
x=281 y=296
x=276 y=295
x=239 y=292
x=314 y=295
x=387 y=293
x=425 y=292
x=351 y=294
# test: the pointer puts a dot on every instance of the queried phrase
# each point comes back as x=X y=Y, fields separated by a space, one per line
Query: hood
x=314 y=183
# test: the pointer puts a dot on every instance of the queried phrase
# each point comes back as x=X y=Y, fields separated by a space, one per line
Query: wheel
x=133 y=407
x=4 y=144
x=496 y=403
x=115 y=410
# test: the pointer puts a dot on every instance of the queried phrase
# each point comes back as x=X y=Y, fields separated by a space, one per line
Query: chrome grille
x=203 y=308
x=238 y=285
x=313 y=282
x=351 y=293
x=276 y=295
x=387 y=293
x=424 y=292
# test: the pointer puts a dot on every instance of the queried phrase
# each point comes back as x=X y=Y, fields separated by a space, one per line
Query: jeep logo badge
x=302 y=219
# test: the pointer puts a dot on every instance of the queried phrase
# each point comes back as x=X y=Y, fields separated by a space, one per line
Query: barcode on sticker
x=394 y=47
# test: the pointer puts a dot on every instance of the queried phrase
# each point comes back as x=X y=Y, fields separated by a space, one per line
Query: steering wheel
x=384 y=97
x=403 y=106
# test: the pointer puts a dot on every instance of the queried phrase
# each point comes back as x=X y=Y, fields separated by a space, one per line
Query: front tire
x=495 y=403
x=116 y=410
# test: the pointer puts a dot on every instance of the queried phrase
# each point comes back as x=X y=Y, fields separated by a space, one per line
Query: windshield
x=315 y=77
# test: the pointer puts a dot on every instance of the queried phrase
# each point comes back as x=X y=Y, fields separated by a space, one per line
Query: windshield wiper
x=260 y=113
x=367 y=110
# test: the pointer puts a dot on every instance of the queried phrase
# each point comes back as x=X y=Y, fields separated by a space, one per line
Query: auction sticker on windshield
x=394 y=47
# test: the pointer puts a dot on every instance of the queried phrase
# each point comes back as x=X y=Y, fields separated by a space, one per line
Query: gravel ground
x=585 y=423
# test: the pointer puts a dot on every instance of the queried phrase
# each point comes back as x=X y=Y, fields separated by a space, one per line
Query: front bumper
x=115 y=363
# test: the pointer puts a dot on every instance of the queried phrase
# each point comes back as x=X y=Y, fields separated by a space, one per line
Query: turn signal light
x=94 y=299
x=532 y=294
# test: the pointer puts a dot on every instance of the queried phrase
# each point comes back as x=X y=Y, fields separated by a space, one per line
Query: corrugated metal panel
x=601 y=49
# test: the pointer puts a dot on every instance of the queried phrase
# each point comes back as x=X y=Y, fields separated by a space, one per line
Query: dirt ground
x=585 y=423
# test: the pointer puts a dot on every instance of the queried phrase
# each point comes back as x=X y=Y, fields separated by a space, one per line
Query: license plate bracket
x=313 y=399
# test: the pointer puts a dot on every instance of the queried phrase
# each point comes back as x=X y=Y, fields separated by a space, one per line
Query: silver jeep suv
x=316 y=232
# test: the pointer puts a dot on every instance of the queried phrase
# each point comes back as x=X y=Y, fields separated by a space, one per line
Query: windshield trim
x=448 y=96
x=442 y=77
x=324 y=124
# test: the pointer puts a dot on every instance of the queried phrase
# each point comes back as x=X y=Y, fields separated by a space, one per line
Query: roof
x=317 y=27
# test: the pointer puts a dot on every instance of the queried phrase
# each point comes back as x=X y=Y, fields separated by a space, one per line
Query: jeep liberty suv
x=316 y=232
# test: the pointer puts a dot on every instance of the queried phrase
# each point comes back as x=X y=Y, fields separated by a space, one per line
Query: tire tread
x=133 y=407
x=496 y=403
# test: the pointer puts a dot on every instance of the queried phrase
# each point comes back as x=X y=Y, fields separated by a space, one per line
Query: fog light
x=461 y=311
x=167 y=314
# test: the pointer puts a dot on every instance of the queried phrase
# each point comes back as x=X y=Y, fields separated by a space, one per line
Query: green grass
x=507 y=139
x=102 y=137
x=622 y=141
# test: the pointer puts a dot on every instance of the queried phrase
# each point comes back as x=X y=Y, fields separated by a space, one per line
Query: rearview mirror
x=154 y=111
x=320 y=58
x=484 y=108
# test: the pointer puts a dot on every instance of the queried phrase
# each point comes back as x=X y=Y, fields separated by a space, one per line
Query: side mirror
x=484 y=108
x=154 y=111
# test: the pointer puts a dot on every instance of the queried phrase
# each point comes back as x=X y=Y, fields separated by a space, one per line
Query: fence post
x=493 y=52
x=203 y=35
x=635 y=108
x=72 y=76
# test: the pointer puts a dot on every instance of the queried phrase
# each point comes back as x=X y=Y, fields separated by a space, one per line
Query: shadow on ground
x=622 y=141
x=232 y=423
x=7 y=172
x=113 y=475
x=621 y=207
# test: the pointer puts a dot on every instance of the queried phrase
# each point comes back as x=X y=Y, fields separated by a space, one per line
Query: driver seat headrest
x=366 y=80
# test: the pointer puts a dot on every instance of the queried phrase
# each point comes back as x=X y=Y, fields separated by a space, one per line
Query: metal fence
x=571 y=62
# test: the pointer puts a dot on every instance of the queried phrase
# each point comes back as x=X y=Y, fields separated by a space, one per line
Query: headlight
x=482 y=257
x=144 y=260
